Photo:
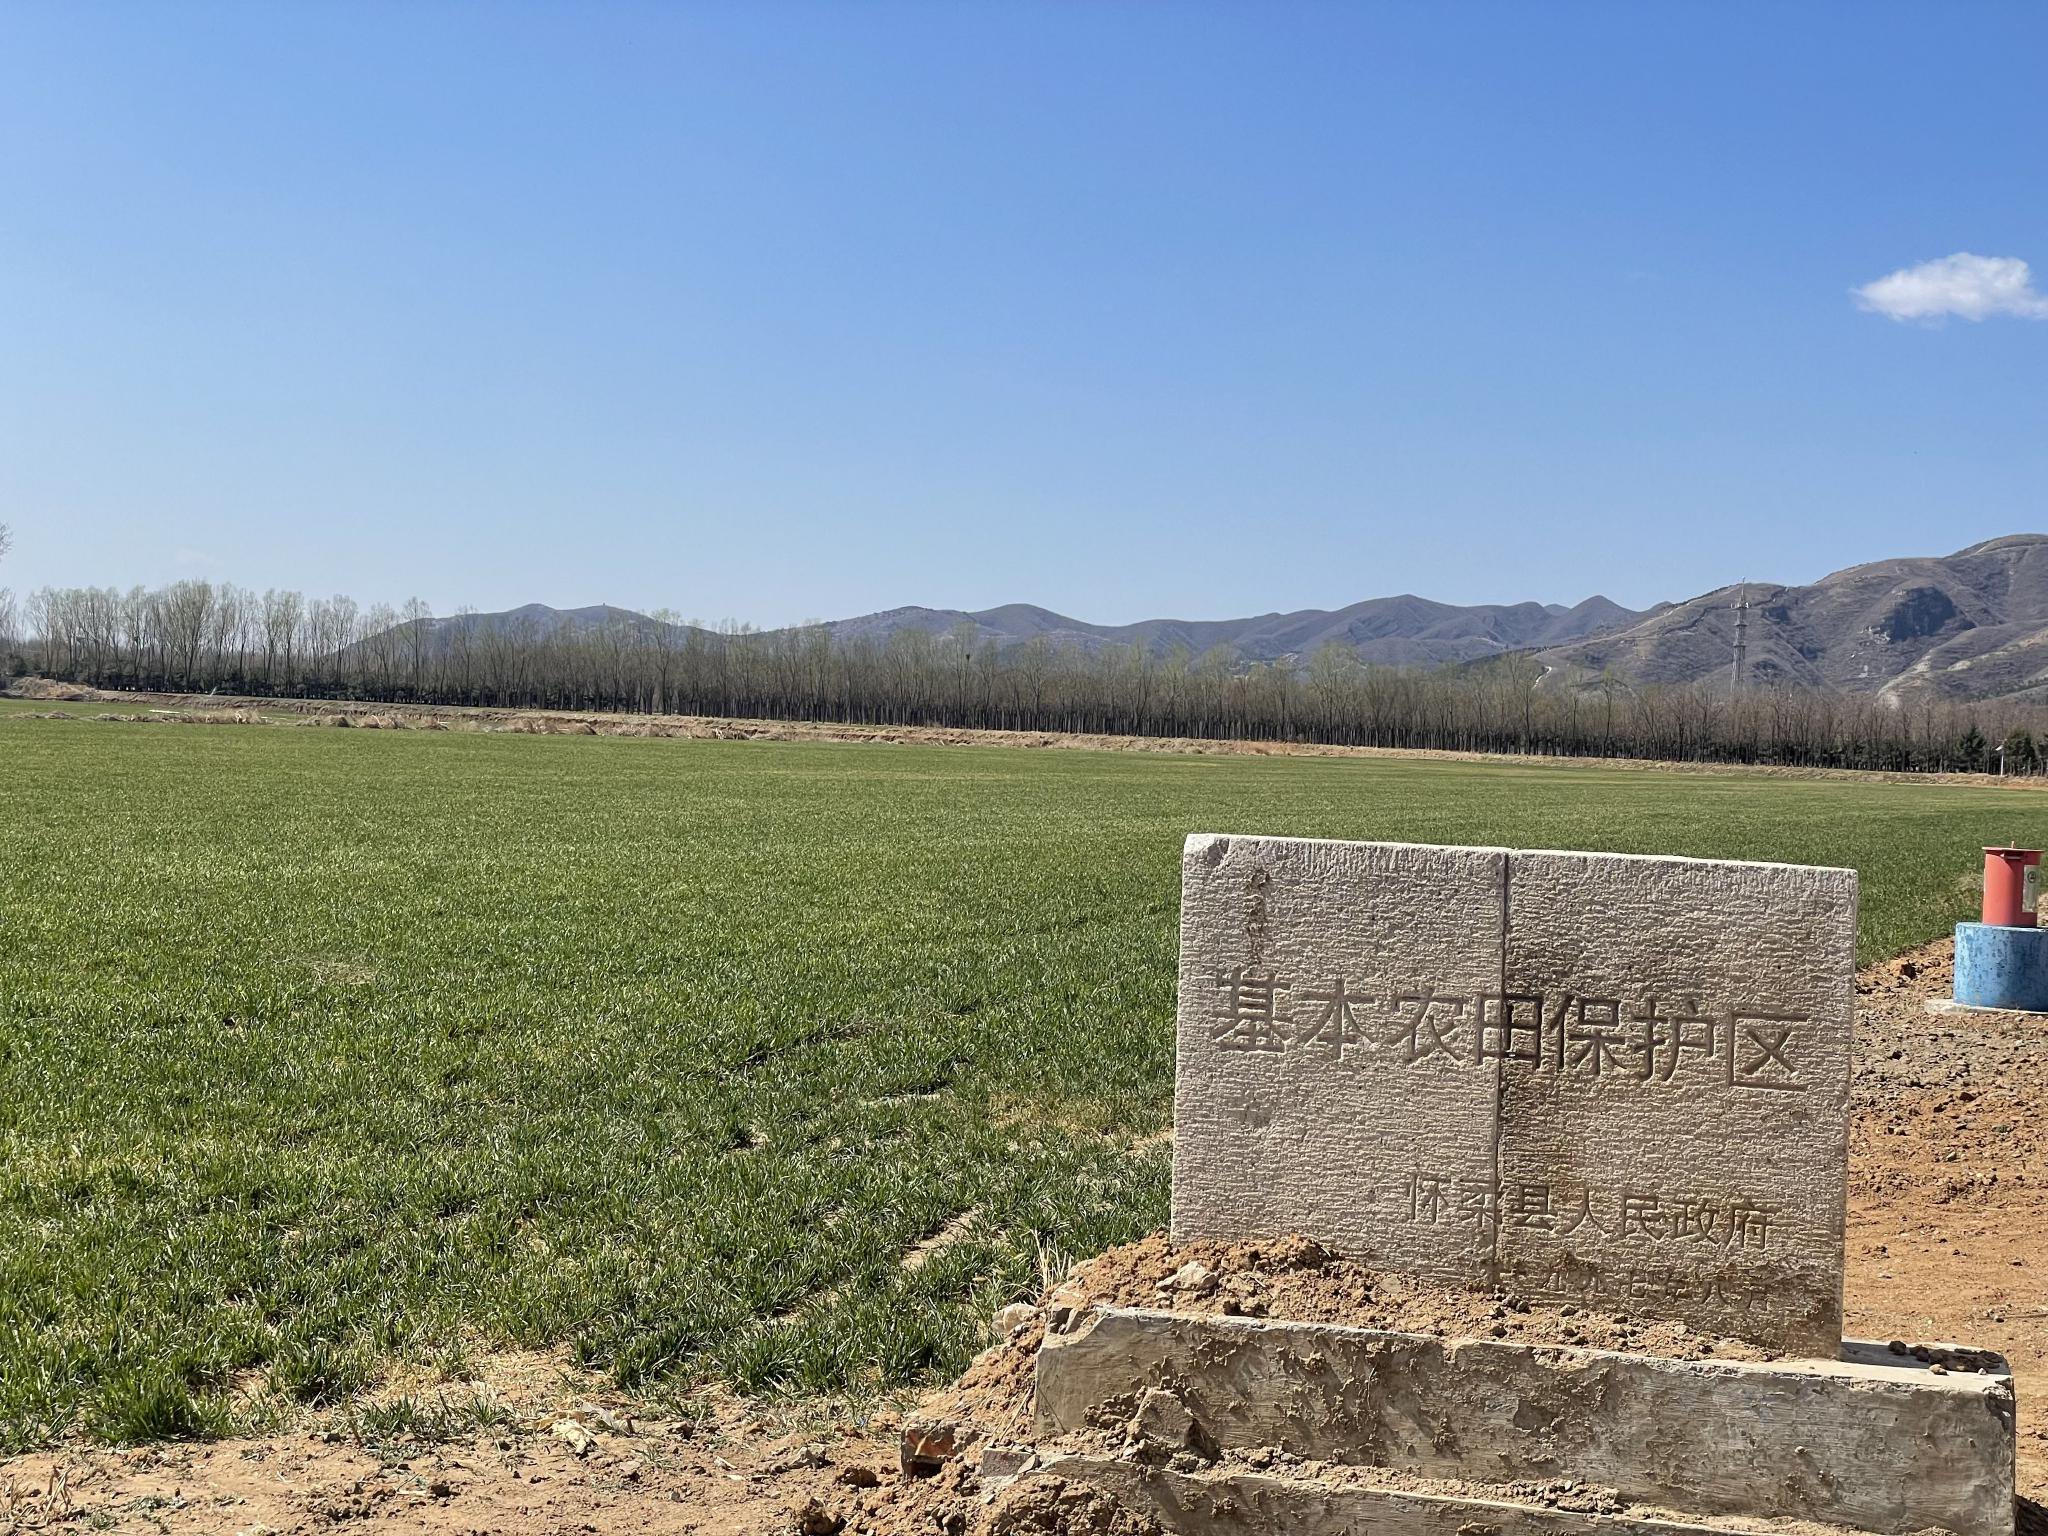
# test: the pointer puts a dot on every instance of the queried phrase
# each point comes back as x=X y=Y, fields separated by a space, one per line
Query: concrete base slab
x=1873 y=1441
x=1331 y=1503
x=1946 y=1005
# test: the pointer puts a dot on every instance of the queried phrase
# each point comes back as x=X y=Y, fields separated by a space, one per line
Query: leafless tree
x=195 y=635
x=10 y=611
x=417 y=624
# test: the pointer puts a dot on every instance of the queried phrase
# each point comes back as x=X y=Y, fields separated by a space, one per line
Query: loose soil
x=1946 y=1180
x=1297 y=1280
x=1945 y=1207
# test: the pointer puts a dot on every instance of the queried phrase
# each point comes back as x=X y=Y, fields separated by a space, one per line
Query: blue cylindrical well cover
x=2002 y=967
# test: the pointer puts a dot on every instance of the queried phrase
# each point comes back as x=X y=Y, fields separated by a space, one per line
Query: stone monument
x=1607 y=1080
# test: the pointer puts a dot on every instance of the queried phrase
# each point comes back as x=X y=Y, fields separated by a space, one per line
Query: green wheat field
x=329 y=1053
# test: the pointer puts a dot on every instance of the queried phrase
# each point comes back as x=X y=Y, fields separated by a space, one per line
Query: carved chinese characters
x=1579 y=1076
x=1721 y=1113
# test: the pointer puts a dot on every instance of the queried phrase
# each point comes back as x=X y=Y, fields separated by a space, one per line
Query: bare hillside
x=1969 y=625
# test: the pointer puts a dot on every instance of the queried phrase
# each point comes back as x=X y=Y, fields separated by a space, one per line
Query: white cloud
x=1973 y=287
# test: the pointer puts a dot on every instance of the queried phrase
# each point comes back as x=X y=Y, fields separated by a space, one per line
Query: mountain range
x=1405 y=631
x=1973 y=624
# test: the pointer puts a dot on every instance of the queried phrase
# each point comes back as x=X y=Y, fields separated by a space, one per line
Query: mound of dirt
x=211 y=717
x=988 y=1410
x=50 y=689
x=1296 y=1279
x=164 y=717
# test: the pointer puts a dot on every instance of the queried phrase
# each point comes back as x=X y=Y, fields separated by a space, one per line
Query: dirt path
x=1946 y=1208
x=217 y=709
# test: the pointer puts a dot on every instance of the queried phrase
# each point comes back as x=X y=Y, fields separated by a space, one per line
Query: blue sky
x=772 y=311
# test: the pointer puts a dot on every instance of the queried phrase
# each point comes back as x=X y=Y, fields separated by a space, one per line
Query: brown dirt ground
x=1947 y=1183
x=1945 y=1204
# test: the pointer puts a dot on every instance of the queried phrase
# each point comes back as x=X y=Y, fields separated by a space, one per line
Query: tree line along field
x=324 y=1053
x=197 y=636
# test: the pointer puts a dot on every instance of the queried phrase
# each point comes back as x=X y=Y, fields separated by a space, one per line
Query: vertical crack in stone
x=1500 y=1074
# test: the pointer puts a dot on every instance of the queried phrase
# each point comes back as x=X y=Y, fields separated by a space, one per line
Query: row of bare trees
x=198 y=636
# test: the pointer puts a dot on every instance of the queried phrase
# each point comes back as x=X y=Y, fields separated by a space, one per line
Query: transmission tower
x=1735 y=677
